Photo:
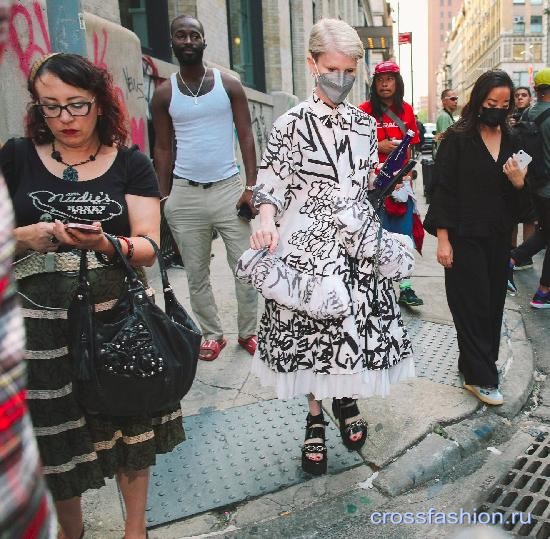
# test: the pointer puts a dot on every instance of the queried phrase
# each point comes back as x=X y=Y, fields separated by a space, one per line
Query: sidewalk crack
x=215 y=386
x=242 y=385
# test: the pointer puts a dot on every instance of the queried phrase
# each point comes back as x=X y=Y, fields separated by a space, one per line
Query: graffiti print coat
x=317 y=164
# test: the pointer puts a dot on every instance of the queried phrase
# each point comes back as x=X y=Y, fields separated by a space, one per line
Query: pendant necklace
x=195 y=96
x=70 y=174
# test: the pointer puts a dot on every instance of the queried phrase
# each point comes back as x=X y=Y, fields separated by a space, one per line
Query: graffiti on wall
x=151 y=80
x=29 y=39
x=100 y=41
x=28 y=35
x=133 y=85
x=259 y=127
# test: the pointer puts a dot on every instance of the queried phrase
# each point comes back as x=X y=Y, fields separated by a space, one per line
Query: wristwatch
x=249 y=187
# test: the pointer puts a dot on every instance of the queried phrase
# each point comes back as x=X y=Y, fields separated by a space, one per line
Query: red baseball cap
x=386 y=67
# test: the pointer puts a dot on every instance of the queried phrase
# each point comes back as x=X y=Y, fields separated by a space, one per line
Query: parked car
x=428 y=145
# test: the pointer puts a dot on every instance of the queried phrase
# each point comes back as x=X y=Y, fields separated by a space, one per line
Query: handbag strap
x=166 y=286
x=130 y=271
x=133 y=279
x=83 y=273
x=163 y=272
x=397 y=120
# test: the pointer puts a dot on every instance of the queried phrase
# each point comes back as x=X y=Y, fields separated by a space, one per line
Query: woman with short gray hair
x=331 y=326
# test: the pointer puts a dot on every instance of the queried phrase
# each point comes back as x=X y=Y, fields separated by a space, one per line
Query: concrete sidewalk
x=404 y=428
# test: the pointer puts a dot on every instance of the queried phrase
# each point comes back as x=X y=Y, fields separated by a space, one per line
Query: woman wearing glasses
x=74 y=168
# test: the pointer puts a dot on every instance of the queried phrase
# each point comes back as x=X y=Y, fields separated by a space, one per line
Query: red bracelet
x=130 y=245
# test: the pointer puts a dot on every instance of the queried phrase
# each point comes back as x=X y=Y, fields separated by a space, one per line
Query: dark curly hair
x=79 y=72
x=469 y=123
x=376 y=102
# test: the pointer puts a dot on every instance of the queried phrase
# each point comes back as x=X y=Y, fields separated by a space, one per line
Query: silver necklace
x=195 y=96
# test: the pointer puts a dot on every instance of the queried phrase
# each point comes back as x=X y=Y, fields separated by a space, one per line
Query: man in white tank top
x=202 y=107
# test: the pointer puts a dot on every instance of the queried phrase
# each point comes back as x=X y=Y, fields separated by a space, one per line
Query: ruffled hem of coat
x=361 y=385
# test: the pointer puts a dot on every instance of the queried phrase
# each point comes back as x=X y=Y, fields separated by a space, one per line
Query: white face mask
x=336 y=85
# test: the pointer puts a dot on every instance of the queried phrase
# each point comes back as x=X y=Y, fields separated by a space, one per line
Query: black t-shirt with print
x=35 y=191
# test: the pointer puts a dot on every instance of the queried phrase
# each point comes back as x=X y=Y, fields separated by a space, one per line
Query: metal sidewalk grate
x=248 y=451
x=525 y=489
x=435 y=351
x=233 y=455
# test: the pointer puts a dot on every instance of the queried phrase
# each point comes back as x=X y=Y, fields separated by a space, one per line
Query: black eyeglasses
x=78 y=108
x=452 y=98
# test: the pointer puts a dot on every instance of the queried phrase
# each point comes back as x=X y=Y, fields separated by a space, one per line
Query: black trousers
x=476 y=291
x=539 y=240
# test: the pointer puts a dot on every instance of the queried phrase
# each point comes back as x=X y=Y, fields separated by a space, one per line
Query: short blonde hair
x=335 y=35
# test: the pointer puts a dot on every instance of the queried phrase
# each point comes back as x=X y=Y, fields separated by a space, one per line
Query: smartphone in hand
x=81 y=227
x=523 y=159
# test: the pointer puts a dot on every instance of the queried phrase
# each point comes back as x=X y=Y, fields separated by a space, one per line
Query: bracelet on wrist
x=249 y=187
x=129 y=244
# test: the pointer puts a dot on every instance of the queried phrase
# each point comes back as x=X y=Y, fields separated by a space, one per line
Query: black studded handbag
x=134 y=359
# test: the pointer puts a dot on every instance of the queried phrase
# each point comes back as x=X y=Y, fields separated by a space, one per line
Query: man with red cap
x=393 y=118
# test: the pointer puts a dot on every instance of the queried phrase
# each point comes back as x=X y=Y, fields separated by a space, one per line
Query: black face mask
x=492 y=117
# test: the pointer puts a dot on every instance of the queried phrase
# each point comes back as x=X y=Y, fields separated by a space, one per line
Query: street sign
x=375 y=37
x=405 y=38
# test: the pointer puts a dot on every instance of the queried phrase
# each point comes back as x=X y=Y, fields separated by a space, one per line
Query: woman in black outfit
x=472 y=214
x=75 y=167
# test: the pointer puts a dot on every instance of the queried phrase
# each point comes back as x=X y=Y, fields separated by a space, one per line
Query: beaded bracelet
x=130 y=245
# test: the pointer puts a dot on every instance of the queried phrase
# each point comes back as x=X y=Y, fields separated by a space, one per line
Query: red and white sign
x=405 y=38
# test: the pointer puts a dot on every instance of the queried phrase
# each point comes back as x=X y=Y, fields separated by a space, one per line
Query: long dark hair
x=468 y=123
x=79 y=72
x=377 y=104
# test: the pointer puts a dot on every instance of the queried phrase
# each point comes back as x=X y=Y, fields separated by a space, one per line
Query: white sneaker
x=488 y=395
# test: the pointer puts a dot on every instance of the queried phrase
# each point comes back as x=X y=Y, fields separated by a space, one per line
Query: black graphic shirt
x=35 y=191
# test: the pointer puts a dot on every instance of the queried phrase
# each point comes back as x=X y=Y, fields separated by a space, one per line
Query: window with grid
x=536 y=24
x=149 y=20
x=519 y=26
x=520 y=78
x=246 y=45
x=518 y=52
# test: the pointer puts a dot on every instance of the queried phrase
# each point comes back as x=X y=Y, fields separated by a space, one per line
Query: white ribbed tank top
x=204 y=133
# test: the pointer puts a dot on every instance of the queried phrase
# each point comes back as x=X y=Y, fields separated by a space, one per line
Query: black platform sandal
x=344 y=409
x=315 y=428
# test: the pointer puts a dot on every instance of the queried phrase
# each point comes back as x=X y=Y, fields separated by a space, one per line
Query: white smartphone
x=522 y=158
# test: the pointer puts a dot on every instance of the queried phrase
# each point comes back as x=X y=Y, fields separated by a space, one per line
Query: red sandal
x=249 y=344
x=210 y=349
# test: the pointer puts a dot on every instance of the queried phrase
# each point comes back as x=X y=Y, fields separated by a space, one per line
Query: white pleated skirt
x=360 y=385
